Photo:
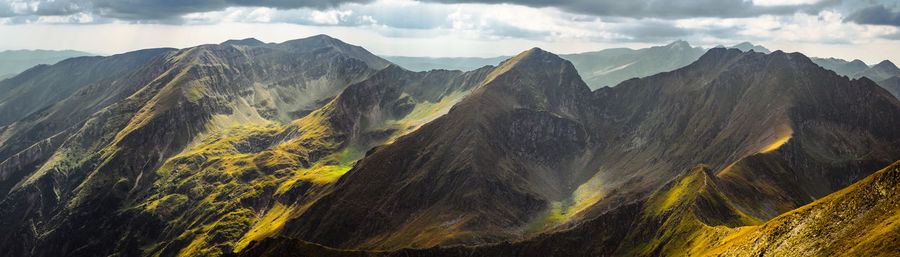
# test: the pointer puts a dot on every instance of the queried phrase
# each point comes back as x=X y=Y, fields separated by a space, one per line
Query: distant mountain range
x=885 y=73
x=13 y=62
x=320 y=148
x=602 y=68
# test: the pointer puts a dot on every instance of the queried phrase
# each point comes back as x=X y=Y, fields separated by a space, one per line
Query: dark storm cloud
x=875 y=15
x=671 y=9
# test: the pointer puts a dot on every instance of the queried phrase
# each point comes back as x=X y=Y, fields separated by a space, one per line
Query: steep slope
x=44 y=85
x=774 y=129
x=243 y=184
x=891 y=85
x=840 y=66
x=612 y=66
x=477 y=174
x=747 y=46
x=13 y=62
x=105 y=160
x=598 y=69
x=26 y=144
x=691 y=217
x=729 y=107
x=881 y=71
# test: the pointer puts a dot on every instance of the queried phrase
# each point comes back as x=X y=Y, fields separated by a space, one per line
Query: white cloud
x=330 y=17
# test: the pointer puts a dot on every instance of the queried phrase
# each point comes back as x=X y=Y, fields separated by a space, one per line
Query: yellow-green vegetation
x=690 y=217
x=243 y=183
x=558 y=213
x=781 y=136
x=425 y=112
x=233 y=186
x=860 y=220
x=272 y=220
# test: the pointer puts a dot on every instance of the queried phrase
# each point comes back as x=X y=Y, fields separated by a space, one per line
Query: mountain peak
x=857 y=62
x=887 y=65
x=531 y=55
x=679 y=44
x=747 y=46
x=320 y=40
x=718 y=54
x=245 y=42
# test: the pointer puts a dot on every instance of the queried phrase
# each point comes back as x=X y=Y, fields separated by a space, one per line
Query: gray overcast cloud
x=163 y=10
x=841 y=28
x=877 y=15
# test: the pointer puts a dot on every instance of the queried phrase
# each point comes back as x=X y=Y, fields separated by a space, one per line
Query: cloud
x=170 y=11
x=875 y=15
x=167 y=11
x=652 y=31
x=668 y=9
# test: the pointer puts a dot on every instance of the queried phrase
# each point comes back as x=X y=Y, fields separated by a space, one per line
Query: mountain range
x=607 y=67
x=885 y=73
x=315 y=147
x=13 y=62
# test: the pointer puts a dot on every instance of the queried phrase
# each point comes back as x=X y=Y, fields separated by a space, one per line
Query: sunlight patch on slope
x=781 y=136
x=424 y=113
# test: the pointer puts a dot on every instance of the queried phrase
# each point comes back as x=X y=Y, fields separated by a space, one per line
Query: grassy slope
x=690 y=217
x=109 y=159
x=243 y=183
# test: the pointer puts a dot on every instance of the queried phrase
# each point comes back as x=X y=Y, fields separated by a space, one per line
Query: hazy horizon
x=868 y=30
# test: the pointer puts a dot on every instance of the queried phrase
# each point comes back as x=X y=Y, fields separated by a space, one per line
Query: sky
x=850 y=29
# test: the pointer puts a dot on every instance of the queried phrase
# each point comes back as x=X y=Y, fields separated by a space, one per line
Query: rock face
x=689 y=216
x=474 y=175
x=757 y=120
x=321 y=145
x=105 y=156
x=44 y=85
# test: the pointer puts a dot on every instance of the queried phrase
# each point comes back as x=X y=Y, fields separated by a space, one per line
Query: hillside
x=13 y=62
x=892 y=85
x=315 y=145
x=103 y=159
x=761 y=133
x=840 y=66
x=691 y=217
x=473 y=175
x=44 y=85
x=602 y=68
x=881 y=71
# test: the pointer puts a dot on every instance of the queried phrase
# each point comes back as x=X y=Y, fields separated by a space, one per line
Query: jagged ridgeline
x=533 y=150
x=314 y=147
x=183 y=153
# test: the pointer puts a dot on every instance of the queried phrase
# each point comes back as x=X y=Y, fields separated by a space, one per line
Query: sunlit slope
x=476 y=174
x=529 y=154
x=103 y=163
x=691 y=217
x=244 y=183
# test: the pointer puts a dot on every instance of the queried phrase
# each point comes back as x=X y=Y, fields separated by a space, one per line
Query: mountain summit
x=475 y=174
x=318 y=144
x=881 y=71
